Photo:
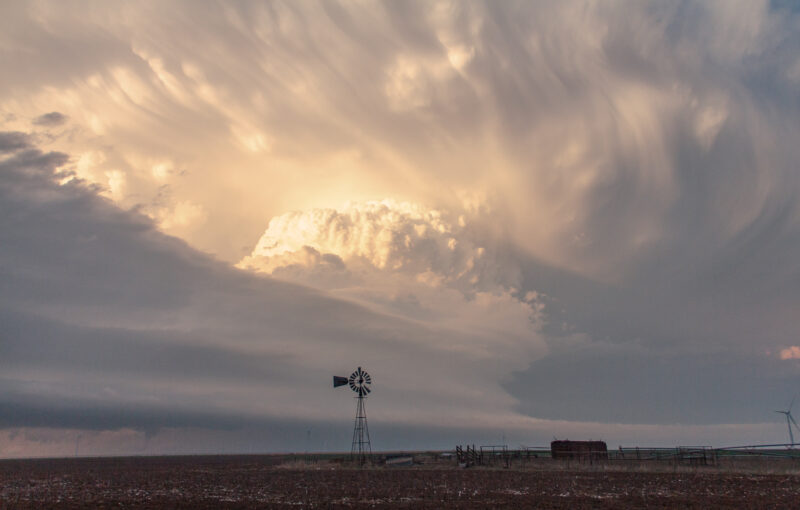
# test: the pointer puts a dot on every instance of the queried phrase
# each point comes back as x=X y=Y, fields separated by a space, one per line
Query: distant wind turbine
x=790 y=421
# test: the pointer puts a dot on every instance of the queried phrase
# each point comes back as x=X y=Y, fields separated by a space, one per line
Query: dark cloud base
x=614 y=384
x=263 y=434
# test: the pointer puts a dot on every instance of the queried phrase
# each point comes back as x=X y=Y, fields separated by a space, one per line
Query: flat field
x=280 y=482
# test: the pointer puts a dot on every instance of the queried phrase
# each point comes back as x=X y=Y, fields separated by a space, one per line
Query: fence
x=680 y=455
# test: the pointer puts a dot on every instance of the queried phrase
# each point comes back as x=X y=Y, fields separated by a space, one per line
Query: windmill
x=789 y=422
x=360 y=382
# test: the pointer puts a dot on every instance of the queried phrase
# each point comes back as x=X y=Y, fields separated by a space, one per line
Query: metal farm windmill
x=360 y=382
x=789 y=422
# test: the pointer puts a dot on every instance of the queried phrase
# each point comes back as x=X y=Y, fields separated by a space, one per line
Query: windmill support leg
x=361 y=448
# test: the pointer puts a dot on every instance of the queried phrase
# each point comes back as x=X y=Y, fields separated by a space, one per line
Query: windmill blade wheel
x=360 y=382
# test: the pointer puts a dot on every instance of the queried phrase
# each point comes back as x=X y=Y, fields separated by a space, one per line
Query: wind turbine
x=790 y=421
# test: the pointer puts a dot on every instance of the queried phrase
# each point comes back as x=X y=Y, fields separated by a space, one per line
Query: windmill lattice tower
x=360 y=382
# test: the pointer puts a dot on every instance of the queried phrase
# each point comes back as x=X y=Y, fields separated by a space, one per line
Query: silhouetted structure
x=789 y=422
x=469 y=456
x=359 y=381
x=579 y=450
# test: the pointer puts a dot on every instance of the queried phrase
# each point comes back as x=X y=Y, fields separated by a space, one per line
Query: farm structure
x=591 y=452
x=492 y=454
x=579 y=450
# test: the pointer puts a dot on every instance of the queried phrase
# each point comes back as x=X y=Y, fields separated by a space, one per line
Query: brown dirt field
x=263 y=482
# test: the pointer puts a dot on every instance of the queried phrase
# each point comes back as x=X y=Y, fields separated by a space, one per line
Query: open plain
x=287 y=482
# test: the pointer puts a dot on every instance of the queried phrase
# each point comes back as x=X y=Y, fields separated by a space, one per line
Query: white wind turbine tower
x=790 y=421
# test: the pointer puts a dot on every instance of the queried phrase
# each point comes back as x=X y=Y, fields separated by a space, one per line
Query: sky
x=526 y=220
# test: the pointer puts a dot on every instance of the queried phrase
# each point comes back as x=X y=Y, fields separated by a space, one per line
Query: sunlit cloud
x=792 y=352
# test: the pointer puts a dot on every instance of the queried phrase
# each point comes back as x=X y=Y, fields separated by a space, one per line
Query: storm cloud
x=573 y=215
x=108 y=323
